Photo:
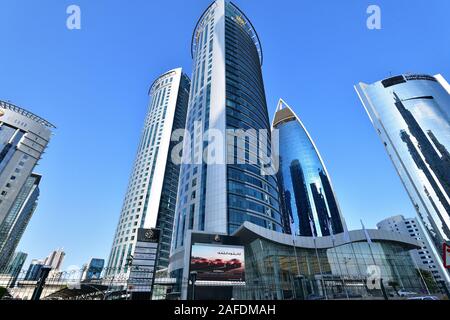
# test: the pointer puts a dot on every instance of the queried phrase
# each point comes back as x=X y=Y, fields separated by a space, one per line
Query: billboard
x=218 y=262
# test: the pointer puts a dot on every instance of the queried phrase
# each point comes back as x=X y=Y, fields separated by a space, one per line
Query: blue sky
x=92 y=83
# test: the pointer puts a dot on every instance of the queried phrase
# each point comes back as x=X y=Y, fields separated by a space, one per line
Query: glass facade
x=251 y=196
x=16 y=264
x=14 y=224
x=152 y=190
x=276 y=271
x=305 y=188
x=411 y=114
x=93 y=269
x=227 y=94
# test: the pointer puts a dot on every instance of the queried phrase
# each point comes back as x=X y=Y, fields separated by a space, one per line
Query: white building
x=55 y=259
x=23 y=139
x=424 y=258
x=152 y=190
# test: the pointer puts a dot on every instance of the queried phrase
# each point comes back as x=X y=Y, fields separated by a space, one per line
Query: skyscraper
x=411 y=114
x=20 y=214
x=152 y=190
x=221 y=187
x=93 y=269
x=16 y=264
x=307 y=196
x=55 y=259
x=23 y=139
x=34 y=270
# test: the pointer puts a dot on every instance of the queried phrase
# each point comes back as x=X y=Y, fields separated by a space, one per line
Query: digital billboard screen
x=218 y=262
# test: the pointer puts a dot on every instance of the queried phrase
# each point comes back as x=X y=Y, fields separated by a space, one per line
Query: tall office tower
x=152 y=191
x=217 y=191
x=23 y=139
x=307 y=197
x=93 y=269
x=55 y=259
x=423 y=257
x=13 y=227
x=16 y=264
x=34 y=270
x=411 y=114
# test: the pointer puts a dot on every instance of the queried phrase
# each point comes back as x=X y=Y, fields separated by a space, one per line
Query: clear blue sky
x=93 y=84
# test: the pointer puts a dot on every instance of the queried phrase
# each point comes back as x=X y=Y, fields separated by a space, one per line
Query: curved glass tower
x=411 y=114
x=227 y=95
x=307 y=197
x=152 y=190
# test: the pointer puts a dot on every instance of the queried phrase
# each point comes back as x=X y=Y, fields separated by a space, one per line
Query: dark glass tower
x=307 y=197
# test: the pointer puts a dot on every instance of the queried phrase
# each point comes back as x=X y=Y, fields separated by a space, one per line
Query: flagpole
x=421 y=275
x=349 y=241
x=330 y=227
x=369 y=242
x=296 y=258
x=295 y=248
x=293 y=234
x=318 y=259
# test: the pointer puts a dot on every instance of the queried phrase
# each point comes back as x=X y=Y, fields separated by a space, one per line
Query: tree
x=3 y=291
x=429 y=280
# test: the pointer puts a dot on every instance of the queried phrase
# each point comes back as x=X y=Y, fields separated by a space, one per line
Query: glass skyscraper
x=307 y=197
x=227 y=94
x=152 y=190
x=16 y=264
x=13 y=227
x=24 y=137
x=411 y=114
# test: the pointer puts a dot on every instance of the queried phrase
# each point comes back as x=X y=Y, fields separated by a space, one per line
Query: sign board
x=446 y=256
x=144 y=260
x=218 y=263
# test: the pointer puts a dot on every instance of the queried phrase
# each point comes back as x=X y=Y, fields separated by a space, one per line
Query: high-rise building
x=23 y=139
x=20 y=214
x=55 y=259
x=34 y=270
x=307 y=197
x=93 y=269
x=423 y=257
x=16 y=264
x=411 y=114
x=152 y=191
x=224 y=185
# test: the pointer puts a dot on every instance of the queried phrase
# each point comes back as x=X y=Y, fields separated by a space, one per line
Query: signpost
x=140 y=281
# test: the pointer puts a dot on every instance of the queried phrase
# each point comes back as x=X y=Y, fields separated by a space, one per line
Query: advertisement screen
x=218 y=263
